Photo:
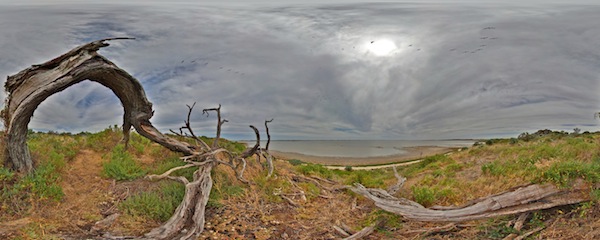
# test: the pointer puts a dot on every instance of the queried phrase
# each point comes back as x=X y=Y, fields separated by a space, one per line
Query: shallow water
x=358 y=148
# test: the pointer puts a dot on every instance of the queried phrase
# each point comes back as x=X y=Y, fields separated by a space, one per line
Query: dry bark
x=523 y=199
x=265 y=151
x=30 y=87
x=188 y=220
x=219 y=123
x=364 y=232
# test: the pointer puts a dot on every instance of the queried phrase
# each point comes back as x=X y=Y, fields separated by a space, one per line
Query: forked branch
x=219 y=123
x=268 y=134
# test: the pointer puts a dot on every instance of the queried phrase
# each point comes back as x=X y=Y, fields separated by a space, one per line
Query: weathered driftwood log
x=30 y=87
x=523 y=199
x=188 y=220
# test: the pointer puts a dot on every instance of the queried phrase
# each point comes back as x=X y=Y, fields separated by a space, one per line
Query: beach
x=411 y=153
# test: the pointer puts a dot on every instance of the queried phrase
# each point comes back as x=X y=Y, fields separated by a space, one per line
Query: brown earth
x=89 y=198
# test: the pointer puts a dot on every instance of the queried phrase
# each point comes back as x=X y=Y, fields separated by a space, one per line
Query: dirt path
x=378 y=166
x=86 y=194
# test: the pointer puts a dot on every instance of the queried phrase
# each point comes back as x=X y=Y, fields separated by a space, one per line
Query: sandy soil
x=412 y=153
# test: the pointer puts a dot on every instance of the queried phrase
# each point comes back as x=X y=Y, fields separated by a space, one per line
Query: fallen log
x=522 y=199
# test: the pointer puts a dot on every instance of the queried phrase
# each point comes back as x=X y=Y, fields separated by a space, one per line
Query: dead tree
x=188 y=220
x=264 y=152
x=219 y=123
x=30 y=87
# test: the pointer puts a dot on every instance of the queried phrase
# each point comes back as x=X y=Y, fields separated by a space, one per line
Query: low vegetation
x=270 y=208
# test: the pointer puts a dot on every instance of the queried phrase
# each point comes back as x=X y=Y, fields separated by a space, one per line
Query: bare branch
x=268 y=134
x=396 y=187
x=251 y=151
x=219 y=123
x=365 y=231
x=188 y=127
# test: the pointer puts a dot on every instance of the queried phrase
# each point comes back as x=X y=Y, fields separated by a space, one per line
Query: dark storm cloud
x=459 y=70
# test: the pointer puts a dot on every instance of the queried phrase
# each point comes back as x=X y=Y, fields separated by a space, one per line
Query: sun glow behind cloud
x=383 y=47
x=315 y=70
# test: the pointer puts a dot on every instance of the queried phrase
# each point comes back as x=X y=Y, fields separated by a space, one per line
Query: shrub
x=295 y=162
x=318 y=169
x=424 y=195
x=563 y=173
x=121 y=165
x=157 y=205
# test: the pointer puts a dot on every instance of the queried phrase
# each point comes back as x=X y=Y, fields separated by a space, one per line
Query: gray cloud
x=459 y=70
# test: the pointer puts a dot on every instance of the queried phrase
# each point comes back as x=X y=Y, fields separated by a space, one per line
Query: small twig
x=520 y=221
x=527 y=234
x=347 y=228
x=401 y=180
x=340 y=231
x=365 y=231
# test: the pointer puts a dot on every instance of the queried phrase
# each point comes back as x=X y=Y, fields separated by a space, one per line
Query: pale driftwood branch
x=365 y=231
x=219 y=123
x=269 y=160
x=520 y=221
x=529 y=233
x=347 y=228
x=340 y=231
x=188 y=220
x=523 y=199
x=289 y=200
x=396 y=187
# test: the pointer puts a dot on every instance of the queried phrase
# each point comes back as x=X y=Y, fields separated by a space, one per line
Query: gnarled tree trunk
x=30 y=87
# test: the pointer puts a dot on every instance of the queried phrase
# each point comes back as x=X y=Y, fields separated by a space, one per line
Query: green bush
x=494 y=168
x=121 y=165
x=424 y=195
x=562 y=173
x=318 y=169
x=157 y=205
x=295 y=162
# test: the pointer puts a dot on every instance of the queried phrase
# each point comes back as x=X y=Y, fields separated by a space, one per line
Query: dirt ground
x=90 y=198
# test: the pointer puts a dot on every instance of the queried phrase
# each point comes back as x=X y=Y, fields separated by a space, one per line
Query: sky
x=341 y=70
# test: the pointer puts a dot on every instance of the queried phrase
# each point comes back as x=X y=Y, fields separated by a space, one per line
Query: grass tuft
x=121 y=165
x=157 y=205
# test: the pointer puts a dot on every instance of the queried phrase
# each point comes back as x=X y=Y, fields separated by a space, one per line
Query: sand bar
x=412 y=153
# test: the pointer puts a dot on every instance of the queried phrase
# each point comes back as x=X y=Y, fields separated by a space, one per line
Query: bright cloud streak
x=446 y=71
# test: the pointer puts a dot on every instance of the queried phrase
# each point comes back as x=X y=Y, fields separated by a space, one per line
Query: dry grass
x=239 y=211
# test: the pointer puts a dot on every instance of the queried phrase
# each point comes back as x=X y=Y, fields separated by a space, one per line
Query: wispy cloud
x=459 y=70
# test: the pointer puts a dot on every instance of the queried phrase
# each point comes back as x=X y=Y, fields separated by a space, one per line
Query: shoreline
x=411 y=154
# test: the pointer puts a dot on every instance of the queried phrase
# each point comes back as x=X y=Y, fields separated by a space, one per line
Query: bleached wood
x=30 y=87
x=523 y=199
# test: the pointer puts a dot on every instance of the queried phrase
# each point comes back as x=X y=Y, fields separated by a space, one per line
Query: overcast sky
x=343 y=70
